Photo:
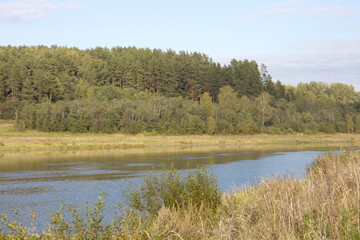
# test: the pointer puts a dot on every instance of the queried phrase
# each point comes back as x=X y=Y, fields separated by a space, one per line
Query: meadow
x=13 y=141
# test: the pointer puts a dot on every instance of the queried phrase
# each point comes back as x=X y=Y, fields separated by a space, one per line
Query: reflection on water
x=43 y=183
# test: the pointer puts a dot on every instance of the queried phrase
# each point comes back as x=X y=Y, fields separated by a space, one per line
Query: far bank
x=31 y=141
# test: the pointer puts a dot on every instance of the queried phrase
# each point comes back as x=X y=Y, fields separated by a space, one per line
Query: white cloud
x=297 y=7
x=329 y=61
x=341 y=11
x=329 y=67
x=351 y=26
x=330 y=45
x=27 y=10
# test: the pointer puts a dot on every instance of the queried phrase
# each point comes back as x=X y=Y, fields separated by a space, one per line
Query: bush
x=326 y=128
x=66 y=223
x=172 y=188
x=272 y=130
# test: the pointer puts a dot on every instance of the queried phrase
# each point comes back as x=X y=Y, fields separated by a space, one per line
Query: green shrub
x=171 y=188
x=326 y=128
x=66 y=223
x=272 y=130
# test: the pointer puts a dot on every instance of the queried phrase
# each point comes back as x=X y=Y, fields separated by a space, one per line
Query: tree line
x=133 y=90
x=39 y=74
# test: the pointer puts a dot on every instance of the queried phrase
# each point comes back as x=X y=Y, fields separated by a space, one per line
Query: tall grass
x=325 y=205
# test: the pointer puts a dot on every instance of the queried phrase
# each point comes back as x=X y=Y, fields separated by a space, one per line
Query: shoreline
x=35 y=142
x=153 y=144
x=282 y=207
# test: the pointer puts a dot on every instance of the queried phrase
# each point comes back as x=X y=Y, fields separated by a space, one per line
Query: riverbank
x=324 y=205
x=31 y=141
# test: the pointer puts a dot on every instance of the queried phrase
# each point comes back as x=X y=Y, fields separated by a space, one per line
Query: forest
x=150 y=91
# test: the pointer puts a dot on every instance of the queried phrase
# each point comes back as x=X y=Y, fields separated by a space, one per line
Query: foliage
x=134 y=112
x=131 y=90
x=171 y=188
x=66 y=223
x=41 y=74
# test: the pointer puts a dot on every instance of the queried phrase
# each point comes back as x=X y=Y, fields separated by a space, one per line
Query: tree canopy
x=135 y=90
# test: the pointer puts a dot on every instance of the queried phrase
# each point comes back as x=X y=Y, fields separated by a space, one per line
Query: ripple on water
x=26 y=190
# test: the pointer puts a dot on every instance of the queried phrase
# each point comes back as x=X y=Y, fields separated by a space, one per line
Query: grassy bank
x=30 y=141
x=325 y=205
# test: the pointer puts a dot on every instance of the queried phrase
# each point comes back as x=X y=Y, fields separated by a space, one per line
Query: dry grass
x=189 y=223
x=323 y=206
x=326 y=205
x=30 y=141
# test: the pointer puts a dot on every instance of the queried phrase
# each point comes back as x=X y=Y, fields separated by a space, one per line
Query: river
x=42 y=183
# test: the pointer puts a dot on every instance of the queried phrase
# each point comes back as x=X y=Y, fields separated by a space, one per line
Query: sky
x=298 y=40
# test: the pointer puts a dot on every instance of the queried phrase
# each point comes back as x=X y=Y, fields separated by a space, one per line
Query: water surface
x=43 y=183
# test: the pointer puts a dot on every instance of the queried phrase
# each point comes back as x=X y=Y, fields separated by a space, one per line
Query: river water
x=42 y=183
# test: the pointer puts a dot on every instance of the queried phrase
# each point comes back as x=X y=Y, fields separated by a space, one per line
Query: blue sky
x=298 y=40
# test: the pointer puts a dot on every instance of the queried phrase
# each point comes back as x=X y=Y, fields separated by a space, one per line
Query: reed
x=323 y=206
